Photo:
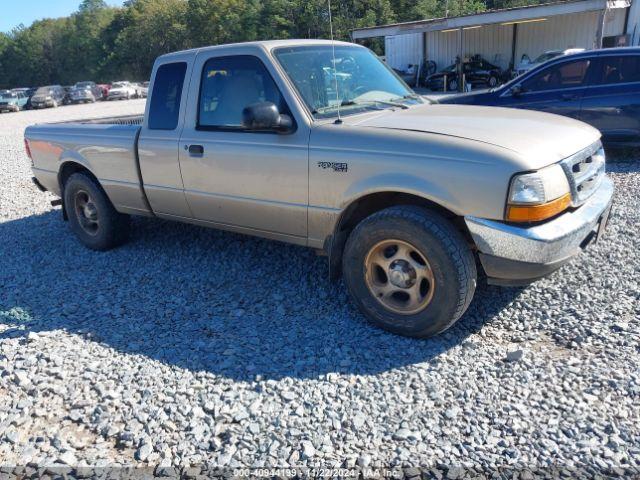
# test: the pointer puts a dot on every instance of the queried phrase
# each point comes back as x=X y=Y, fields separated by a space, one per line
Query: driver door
x=556 y=89
x=255 y=182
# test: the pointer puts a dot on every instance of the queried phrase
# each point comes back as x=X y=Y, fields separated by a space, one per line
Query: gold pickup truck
x=321 y=144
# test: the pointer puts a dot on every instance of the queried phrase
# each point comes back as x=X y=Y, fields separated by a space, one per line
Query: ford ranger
x=320 y=144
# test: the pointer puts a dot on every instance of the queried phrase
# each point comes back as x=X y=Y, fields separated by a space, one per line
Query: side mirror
x=265 y=116
x=516 y=90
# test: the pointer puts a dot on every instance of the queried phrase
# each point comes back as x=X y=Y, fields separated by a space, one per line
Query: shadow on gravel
x=205 y=300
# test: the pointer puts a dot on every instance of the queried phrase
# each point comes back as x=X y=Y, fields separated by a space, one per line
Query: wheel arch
x=368 y=204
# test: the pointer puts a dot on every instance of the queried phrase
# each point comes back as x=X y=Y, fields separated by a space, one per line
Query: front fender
x=400 y=183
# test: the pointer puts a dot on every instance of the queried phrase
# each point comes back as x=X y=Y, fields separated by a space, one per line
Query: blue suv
x=599 y=87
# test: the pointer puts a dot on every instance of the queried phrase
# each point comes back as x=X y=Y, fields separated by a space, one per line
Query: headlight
x=538 y=195
x=48 y=98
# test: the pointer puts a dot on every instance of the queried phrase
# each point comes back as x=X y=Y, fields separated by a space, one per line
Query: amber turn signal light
x=536 y=213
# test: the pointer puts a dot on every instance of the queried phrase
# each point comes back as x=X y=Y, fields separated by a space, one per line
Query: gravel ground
x=192 y=347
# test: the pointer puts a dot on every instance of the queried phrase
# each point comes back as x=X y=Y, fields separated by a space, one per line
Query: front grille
x=585 y=170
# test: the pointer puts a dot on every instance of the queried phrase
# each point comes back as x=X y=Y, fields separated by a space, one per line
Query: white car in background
x=142 y=89
x=526 y=64
x=145 y=89
x=122 y=91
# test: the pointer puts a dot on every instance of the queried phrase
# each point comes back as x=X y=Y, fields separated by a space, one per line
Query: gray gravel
x=189 y=347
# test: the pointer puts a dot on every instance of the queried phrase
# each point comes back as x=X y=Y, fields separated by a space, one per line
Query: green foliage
x=106 y=44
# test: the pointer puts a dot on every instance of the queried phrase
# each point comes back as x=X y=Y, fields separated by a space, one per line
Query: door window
x=165 y=98
x=622 y=69
x=228 y=85
x=558 y=77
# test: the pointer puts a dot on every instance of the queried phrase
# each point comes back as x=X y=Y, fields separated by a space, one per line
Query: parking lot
x=193 y=347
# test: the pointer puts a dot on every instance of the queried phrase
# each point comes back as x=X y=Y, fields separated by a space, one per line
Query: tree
x=148 y=28
x=98 y=42
x=211 y=22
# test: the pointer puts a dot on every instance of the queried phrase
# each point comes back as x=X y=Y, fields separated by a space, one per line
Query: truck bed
x=107 y=147
x=119 y=120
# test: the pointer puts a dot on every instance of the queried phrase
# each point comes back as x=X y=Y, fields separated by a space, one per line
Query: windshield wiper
x=364 y=104
x=389 y=103
x=392 y=104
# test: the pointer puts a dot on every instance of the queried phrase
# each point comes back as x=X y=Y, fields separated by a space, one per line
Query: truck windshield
x=363 y=81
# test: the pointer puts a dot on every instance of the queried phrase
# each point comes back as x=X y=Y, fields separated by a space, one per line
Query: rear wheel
x=493 y=81
x=453 y=85
x=92 y=217
x=409 y=271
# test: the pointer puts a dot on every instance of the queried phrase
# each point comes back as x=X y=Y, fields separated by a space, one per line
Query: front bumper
x=518 y=255
x=9 y=108
x=45 y=104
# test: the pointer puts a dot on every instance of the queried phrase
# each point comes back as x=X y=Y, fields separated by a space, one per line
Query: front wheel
x=453 y=85
x=409 y=271
x=92 y=217
x=493 y=81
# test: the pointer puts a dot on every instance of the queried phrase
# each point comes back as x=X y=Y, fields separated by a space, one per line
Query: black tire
x=110 y=229
x=451 y=263
x=452 y=85
x=493 y=81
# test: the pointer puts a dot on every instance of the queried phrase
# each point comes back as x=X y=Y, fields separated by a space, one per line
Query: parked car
x=12 y=101
x=599 y=87
x=104 y=87
x=49 y=96
x=143 y=91
x=399 y=193
x=526 y=64
x=28 y=93
x=121 y=91
x=67 y=94
x=85 y=92
x=477 y=72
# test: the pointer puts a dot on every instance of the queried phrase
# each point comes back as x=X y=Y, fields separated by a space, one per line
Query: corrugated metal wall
x=494 y=42
x=566 y=31
x=402 y=50
x=633 y=28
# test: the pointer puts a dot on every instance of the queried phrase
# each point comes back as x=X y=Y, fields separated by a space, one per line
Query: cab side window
x=619 y=69
x=228 y=85
x=165 y=98
x=559 y=76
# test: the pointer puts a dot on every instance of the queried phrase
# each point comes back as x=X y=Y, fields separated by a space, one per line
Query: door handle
x=196 y=150
x=569 y=96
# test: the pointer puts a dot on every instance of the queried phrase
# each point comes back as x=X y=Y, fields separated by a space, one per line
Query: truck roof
x=264 y=44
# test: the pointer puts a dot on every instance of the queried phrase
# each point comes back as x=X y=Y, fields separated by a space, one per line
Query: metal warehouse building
x=503 y=36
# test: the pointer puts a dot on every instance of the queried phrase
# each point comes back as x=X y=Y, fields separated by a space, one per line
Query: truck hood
x=540 y=138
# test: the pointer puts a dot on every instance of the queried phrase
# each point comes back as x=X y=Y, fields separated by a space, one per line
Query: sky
x=15 y=12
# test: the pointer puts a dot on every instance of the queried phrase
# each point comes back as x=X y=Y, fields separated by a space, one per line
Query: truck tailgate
x=106 y=147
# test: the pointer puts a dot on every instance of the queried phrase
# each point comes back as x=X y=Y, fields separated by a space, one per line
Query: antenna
x=333 y=53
